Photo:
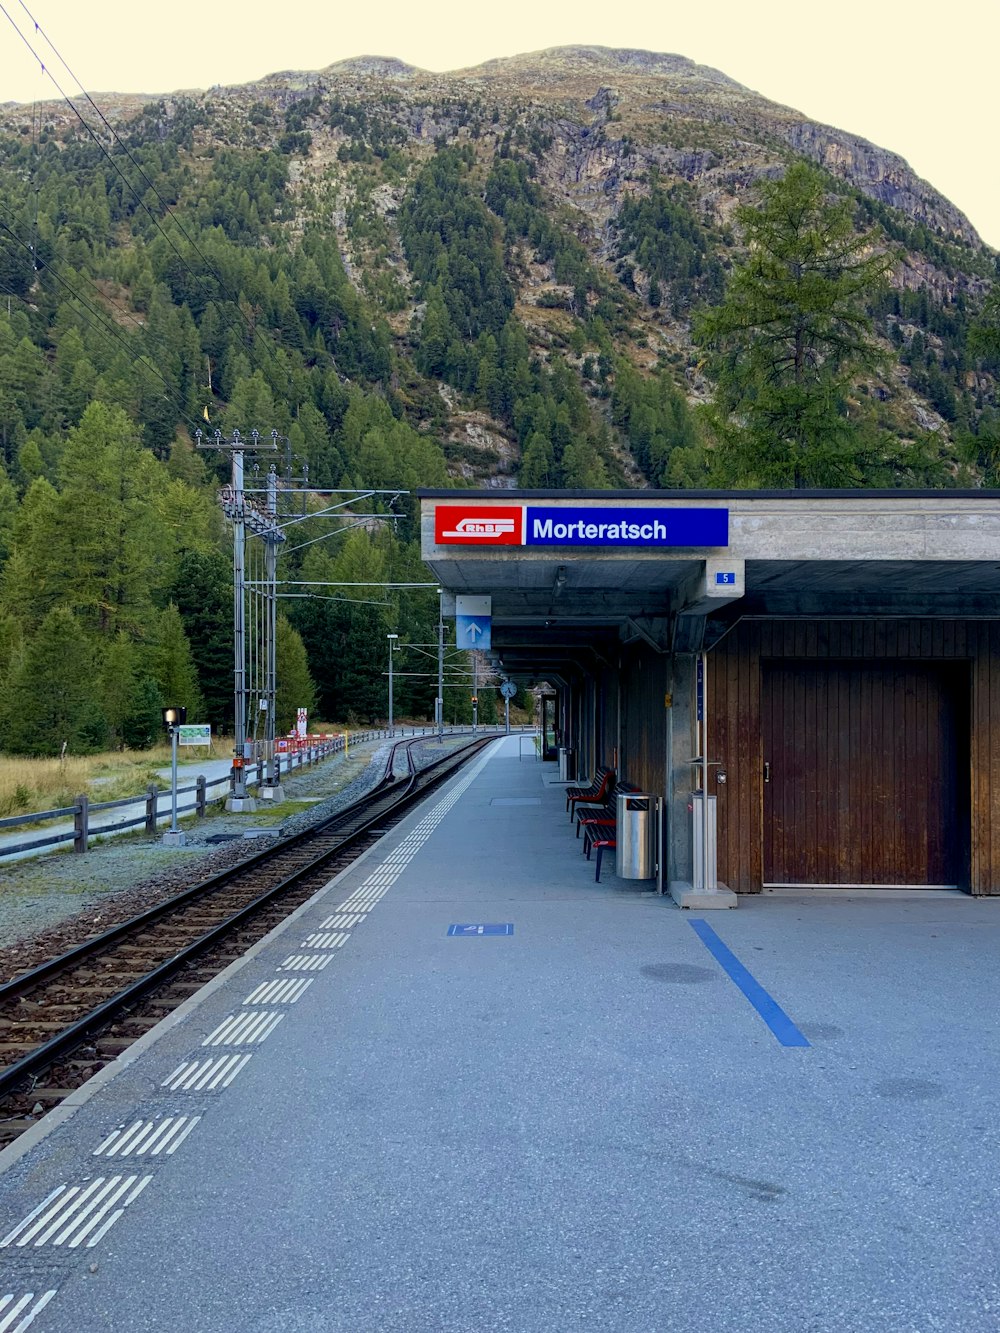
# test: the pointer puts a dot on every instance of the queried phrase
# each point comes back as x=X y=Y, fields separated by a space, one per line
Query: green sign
x=194 y=735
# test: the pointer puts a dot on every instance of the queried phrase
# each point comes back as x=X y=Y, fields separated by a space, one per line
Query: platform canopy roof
x=574 y=574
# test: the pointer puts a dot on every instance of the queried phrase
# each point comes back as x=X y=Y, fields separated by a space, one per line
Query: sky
x=917 y=78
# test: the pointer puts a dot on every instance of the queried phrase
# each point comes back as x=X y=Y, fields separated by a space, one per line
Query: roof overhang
x=808 y=554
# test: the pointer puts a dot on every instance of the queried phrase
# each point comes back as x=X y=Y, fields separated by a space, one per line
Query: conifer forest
x=570 y=272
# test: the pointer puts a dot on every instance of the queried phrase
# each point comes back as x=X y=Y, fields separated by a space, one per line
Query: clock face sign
x=508 y=689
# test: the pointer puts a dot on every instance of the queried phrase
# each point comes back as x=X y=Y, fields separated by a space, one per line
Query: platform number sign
x=725 y=577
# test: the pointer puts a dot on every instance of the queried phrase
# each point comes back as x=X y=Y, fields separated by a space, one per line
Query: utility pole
x=440 y=698
x=392 y=648
x=271 y=789
x=243 y=514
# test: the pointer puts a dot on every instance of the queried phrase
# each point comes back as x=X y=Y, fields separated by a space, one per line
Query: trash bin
x=567 y=764
x=635 y=852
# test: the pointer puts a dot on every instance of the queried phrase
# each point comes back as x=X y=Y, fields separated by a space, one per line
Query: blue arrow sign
x=473 y=631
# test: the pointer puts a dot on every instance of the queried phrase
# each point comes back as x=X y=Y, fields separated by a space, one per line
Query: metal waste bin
x=635 y=852
x=567 y=764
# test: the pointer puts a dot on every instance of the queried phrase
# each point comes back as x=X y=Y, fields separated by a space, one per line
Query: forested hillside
x=500 y=277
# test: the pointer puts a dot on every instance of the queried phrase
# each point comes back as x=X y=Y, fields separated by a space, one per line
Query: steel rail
x=18 y=986
x=63 y=1042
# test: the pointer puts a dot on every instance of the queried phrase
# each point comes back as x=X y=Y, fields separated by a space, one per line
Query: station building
x=823 y=663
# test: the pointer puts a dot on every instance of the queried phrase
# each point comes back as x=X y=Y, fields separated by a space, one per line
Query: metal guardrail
x=82 y=809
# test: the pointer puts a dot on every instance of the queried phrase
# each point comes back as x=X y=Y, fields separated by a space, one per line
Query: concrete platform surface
x=618 y=1118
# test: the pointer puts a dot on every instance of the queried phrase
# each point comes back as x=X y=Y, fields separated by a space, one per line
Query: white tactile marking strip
x=8 y=1312
x=382 y=879
x=326 y=940
x=244 y=1029
x=70 y=1216
x=205 y=1075
x=148 y=1136
x=304 y=962
x=288 y=991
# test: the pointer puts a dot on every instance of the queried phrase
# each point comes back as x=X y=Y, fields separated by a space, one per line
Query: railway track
x=67 y=1018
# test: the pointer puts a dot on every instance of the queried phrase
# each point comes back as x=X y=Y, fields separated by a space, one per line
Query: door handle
x=767 y=772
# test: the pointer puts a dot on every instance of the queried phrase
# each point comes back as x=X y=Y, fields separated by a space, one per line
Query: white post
x=173 y=837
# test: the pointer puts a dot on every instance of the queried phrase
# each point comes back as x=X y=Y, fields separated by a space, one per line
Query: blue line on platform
x=770 y=1011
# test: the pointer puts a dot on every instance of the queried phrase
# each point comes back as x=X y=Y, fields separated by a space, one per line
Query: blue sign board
x=474 y=931
x=618 y=525
x=473 y=631
x=725 y=576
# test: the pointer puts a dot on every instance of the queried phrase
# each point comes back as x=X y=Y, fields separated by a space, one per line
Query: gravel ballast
x=53 y=902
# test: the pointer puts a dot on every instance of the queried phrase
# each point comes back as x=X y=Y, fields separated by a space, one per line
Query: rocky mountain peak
x=556 y=62
x=384 y=67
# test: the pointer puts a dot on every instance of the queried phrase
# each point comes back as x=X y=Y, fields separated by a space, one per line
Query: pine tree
x=101 y=551
x=791 y=338
x=10 y=647
x=174 y=670
x=116 y=686
x=203 y=593
x=295 y=686
x=144 y=723
x=27 y=587
x=984 y=337
x=8 y=515
x=49 y=698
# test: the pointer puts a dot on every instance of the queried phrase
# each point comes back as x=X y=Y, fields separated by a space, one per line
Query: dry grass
x=27 y=785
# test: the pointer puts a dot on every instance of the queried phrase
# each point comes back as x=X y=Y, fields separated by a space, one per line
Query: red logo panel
x=479 y=525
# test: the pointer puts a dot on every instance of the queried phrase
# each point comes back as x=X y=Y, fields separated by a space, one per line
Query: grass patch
x=27 y=784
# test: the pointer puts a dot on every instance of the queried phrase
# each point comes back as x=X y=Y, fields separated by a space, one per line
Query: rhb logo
x=479 y=525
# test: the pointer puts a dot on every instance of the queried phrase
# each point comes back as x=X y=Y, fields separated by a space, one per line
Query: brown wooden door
x=862 y=764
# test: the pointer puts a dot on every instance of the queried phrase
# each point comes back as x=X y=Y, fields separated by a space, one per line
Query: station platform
x=465 y=1089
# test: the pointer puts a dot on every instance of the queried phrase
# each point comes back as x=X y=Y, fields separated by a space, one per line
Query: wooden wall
x=734 y=698
x=644 y=685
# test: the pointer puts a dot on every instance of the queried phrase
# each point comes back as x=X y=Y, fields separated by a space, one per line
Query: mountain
x=590 y=194
x=487 y=277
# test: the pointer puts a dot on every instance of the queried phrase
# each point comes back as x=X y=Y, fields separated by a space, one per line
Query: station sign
x=594 y=525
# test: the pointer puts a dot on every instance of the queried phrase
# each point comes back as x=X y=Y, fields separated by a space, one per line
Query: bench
x=599 y=827
x=600 y=845
x=596 y=794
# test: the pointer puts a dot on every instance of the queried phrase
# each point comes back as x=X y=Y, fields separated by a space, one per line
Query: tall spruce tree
x=49 y=697
x=203 y=593
x=173 y=664
x=984 y=336
x=792 y=337
x=295 y=686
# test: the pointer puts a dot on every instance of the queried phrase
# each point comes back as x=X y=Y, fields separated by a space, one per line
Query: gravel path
x=55 y=901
